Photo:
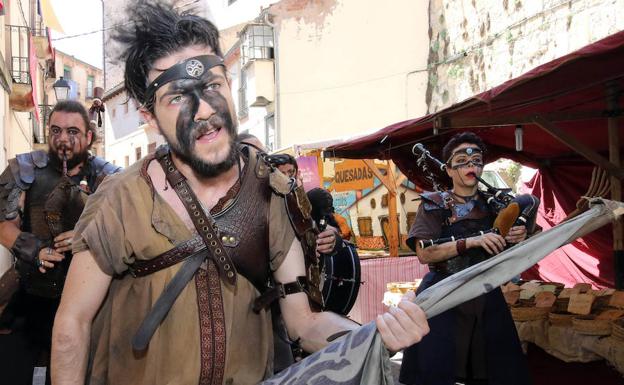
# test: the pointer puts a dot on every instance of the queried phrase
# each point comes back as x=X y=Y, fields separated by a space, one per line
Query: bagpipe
x=511 y=210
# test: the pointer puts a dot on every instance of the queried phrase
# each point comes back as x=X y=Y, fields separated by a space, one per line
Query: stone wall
x=476 y=45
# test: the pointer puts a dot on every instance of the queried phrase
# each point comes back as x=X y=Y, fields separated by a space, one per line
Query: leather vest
x=52 y=206
x=244 y=224
x=462 y=220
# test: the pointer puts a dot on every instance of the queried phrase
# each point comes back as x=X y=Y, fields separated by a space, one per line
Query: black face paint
x=188 y=129
x=191 y=80
x=63 y=164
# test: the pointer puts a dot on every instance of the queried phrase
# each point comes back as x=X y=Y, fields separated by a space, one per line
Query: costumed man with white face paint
x=177 y=259
x=42 y=195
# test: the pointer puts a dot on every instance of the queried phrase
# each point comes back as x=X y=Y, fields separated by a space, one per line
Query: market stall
x=562 y=118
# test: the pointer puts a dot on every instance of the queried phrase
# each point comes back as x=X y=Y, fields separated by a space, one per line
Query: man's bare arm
x=85 y=289
x=401 y=327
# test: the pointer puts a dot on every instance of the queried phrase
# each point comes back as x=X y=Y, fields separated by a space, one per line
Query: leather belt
x=141 y=268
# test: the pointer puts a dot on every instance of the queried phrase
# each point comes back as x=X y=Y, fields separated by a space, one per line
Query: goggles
x=474 y=154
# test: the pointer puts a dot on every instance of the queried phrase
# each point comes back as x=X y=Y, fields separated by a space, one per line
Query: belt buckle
x=281 y=291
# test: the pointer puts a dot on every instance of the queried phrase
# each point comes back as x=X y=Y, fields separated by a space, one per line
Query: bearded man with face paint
x=476 y=342
x=178 y=260
x=42 y=195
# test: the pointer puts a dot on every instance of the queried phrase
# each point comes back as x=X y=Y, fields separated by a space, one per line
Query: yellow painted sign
x=352 y=175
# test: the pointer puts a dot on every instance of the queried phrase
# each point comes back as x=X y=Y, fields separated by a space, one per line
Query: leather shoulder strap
x=203 y=221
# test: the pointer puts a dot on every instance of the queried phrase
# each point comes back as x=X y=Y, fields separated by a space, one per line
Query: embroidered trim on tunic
x=211 y=326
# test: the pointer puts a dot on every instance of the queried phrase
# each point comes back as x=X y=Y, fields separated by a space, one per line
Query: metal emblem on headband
x=194 y=68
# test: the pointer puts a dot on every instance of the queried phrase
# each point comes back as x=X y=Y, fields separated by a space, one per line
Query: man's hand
x=492 y=243
x=516 y=234
x=404 y=325
x=63 y=241
x=47 y=258
x=326 y=241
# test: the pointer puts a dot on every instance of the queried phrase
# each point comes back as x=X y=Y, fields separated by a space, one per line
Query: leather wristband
x=461 y=246
x=26 y=248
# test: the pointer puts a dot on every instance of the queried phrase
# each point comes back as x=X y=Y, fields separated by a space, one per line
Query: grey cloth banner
x=360 y=356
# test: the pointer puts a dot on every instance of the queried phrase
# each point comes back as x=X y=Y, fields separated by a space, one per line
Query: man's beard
x=77 y=158
x=184 y=147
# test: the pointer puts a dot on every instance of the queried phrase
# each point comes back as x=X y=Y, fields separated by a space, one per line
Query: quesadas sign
x=352 y=175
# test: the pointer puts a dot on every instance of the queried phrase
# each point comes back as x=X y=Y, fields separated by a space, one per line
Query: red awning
x=572 y=85
x=569 y=92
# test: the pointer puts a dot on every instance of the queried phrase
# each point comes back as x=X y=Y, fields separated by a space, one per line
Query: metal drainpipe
x=103 y=49
x=277 y=112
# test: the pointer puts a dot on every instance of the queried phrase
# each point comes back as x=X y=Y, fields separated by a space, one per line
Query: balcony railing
x=20 y=70
x=40 y=128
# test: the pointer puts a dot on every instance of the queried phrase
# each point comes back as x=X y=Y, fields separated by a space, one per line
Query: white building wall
x=129 y=126
x=349 y=67
x=225 y=15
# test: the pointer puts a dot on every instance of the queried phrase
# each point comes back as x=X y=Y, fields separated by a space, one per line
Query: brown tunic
x=127 y=219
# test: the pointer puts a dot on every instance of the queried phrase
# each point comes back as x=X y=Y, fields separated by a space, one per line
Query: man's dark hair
x=156 y=29
x=75 y=107
x=463 y=137
x=322 y=205
x=281 y=159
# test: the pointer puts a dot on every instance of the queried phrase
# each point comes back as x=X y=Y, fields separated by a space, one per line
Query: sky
x=77 y=17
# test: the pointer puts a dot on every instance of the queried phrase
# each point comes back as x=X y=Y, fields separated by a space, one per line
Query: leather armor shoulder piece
x=10 y=193
x=280 y=183
x=263 y=168
x=103 y=166
x=40 y=158
x=27 y=163
x=24 y=167
x=435 y=200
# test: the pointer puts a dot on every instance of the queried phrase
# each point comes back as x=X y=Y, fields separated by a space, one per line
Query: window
x=138 y=153
x=67 y=73
x=113 y=111
x=90 y=86
x=270 y=140
x=151 y=148
x=256 y=43
x=365 y=226
x=243 y=108
x=127 y=161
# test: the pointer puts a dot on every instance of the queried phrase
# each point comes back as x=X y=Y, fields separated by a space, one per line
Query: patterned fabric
x=356 y=358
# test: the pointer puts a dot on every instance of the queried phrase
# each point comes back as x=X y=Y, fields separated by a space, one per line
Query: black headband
x=191 y=68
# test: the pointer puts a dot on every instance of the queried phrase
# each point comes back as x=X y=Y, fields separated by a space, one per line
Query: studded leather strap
x=203 y=222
